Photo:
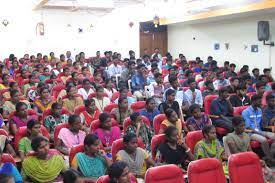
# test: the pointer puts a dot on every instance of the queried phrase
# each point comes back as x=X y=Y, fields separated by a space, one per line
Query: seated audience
x=269 y=111
x=253 y=122
x=209 y=89
x=72 y=101
x=86 y=90
x=260 y=88
x=20 y=117
x=231 y=72
x=220 y=81
x=72 y=176
x=194 y=95
x=240 y=99
x=142 y=160
x=45 y=165
x=234 y=83
x=264 y=79
x=119 y=173
x=170 y=102
x=70 y=137
x=139 y=81
x=56 y=117
x=173 y=151
x=33 y=130
x=198 y=120
x=221 y=110
x=256 y=74
x=141 y=130
x=93 y=162
x=100 y=101
x=106 y=133
x=109 y=88
x=114 y=68
x=122 y=111
x=44 y=101
x=156 y=88
x=267 y=73
x=150 y=111
x=90 y=114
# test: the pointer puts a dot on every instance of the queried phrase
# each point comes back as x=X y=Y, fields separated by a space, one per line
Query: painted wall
x=238 y=32
x=110 y=32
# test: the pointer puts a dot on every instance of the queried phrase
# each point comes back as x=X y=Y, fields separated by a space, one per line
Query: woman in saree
x=72 y=101
x=210 y=147
x=9 y=169
x=45 y=165
x=119 y=173
x=44 y=102
x=122 y=111
x=93 y=162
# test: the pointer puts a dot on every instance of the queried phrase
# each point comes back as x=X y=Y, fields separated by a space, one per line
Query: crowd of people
x=64 y=102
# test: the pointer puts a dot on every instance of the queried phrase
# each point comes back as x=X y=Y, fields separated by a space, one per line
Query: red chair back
x=192 y=138
x=238 y=110
x=245 y=167
x=157 y=122
x=208 y=170
x=110 y=107
x=137 y=106
x=250 y=94
x=22 y=132
x=4 y=132
x=207 y=103
x=48 y=112
x=127 y=122
x=118 y=145
x=79 y=109
x=8 y=158
x=58 y=128
x=264 y=103
x=106 y=179
x=74 y=150
x=57 y=89
x=156 y=141
x=93 y=95
x=164 y=174
x=95 y=124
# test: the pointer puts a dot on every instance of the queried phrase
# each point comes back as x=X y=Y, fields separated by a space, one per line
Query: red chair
x=58 y=128
x=79 y=109
x=207 y=102
x=155 y=142
x=164 y=174
x=192 y=138
x=22 y=132
x=4 y=132
x=238 y=110
x=250 y=94
x=8 y=158
x=57 y=89
x=127 y=122
x=118 y=145
x=74 y=150
x=48 y=112
x=208 y=170
x=110 y=107
x=264 y=103
x=106 y=179
x=95 y=124
x=245 y=167
x=157 y=122
x=137 y=106
x=93 y=95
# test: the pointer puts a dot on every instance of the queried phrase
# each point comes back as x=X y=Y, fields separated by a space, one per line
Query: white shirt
x=198 y=99
x=218 y=83
x=109 y=93
x=85 y=94
x=114 y=70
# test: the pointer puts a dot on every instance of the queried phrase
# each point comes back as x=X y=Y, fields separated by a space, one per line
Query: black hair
x=32 y=123
x=232 y=65
x=90 y=139
x=233 y=79
x=273 y=86
x=168 y=112
x=140 y=66
x=99 y=87
x=55 y=105
x=260 y=84
x=222 y=90
x=88 y=102
x=120 y=100
x=13 y=92
x=169 y=92
x=86 y=80
x=262 y=76
x=43 y=88
x=237 y=120
x=157 y=75
x=103 y=117
x=169 y=130
x=256 y=97
x=191 y=80
x=148 y=100
x=116 y=170
x=122 y=89
x=128 y=137
x=134 y=116
x=4 y=178
x=270 y=97
x=193 y=107
x=206 y=129
x=70 y=176
x=266 y=70
x=11 y=84
x=19 y=105
x=172 y=78
x=226 y=63
x=72 y=118
x=36 y=142
x=107 y=80
x=206 y=83
x=69 y=87
x=255 y=69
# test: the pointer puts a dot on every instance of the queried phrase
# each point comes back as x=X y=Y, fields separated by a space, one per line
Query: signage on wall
x=216 y=46
x=254 y=48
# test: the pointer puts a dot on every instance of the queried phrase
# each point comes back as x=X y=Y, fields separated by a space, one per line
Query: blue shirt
x=252 y=118
x=138 y=82
x=219 y=107
x=150 y=116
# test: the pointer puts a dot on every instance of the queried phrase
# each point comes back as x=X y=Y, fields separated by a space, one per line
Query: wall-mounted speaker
x=263 y=30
